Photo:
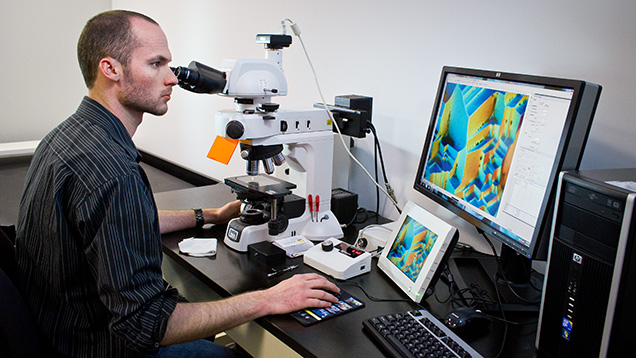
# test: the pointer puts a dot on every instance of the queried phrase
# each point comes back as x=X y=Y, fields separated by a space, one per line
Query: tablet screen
x=411 y=247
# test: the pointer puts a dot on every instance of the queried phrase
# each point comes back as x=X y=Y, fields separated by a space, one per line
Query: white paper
x=294 y=246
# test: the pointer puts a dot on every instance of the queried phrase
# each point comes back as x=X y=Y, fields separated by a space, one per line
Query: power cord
x=499 y=298
x=377 y=151
x=503 y=275
x=296 y=30
x=376 y=299
x=473 y=296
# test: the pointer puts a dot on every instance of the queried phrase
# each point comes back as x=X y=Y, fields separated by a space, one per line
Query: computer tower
x=588 y=302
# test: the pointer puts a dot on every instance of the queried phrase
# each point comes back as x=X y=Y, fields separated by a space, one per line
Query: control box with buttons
x=338 y=259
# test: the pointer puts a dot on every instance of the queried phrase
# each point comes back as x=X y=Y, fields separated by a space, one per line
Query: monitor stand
x=520 y=291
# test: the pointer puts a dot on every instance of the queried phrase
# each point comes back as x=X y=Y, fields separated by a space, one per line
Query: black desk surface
x=231 y=272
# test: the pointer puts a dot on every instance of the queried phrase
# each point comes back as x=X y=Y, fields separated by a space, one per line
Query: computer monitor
x=495 y=145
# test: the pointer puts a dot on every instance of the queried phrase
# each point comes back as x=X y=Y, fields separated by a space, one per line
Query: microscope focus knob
x=234 y=129
x=278 y=225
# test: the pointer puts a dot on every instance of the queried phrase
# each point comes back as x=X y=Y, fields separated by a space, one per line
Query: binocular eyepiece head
x=199 y=78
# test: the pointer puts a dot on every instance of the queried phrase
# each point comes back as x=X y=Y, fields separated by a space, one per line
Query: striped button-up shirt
x=88 y=245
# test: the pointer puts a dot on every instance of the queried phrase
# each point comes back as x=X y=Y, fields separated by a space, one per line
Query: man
x=89 y=244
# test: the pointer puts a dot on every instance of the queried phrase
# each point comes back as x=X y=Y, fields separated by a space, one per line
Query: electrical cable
x=353 y=218
x=375 y=170
x=362 y=231
x=376 y=299
x=512 y=322
x=377 y=144
x=529 y=277
x=478 y=297
x=296 y=31
x=503 y=275
x=366 y=215
x=378 y=151
x=501 y=310
x=473 y=296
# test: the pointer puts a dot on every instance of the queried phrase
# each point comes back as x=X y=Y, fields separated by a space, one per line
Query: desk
x=230 y=273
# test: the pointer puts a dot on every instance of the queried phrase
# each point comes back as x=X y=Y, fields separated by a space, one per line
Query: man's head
x=124 y=58
x=108 y=34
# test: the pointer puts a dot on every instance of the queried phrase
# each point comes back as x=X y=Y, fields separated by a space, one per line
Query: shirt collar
x=113 y=126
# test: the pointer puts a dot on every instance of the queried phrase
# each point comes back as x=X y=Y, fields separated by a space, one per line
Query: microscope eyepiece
x=200 y=78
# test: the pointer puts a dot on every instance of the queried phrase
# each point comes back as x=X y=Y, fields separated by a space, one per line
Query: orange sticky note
x=222 y=149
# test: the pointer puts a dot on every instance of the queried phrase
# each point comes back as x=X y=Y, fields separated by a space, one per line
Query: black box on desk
x=588 y=300
x=266 y=253
x=344 y=205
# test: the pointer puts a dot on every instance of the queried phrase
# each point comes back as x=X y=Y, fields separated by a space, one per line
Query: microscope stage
x=261 y=185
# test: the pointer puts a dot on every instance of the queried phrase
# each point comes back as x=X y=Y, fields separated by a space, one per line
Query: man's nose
x=172 y=78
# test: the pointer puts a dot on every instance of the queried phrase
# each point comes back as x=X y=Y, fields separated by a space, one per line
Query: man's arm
x=191 y=321
x=175 y=220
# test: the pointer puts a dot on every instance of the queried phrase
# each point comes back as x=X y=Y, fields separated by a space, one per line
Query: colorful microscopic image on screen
x=475 y=137
x=411 y=247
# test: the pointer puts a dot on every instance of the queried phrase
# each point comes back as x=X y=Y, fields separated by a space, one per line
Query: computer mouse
x=467 y=320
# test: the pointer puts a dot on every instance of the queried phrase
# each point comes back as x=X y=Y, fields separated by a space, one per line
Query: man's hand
x=197 y=320
x=300 y=291
x=223 y=214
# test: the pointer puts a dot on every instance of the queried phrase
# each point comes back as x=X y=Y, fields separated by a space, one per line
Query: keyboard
x=416 y=334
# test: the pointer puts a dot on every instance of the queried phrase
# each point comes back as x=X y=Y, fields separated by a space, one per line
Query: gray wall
x=390 y=50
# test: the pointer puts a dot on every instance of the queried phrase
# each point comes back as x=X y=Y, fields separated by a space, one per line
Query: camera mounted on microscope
x=274 y=42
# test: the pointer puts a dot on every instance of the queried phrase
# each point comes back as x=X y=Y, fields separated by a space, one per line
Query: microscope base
x=240 y=235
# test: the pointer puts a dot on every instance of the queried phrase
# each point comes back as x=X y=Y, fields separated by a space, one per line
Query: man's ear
x=111 y=68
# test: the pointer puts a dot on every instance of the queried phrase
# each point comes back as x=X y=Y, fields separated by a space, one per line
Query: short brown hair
x=108 y=34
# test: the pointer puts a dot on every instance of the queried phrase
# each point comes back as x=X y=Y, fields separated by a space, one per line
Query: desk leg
x=257 y=341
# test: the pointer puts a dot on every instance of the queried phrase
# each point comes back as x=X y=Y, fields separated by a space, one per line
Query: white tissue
x=198 y=247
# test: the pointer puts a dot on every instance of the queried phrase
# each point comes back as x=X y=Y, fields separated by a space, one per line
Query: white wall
x=390 y=50
x=393 y=51
x=40 y=76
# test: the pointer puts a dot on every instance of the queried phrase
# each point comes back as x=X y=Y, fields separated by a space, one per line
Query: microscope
x=272 y=208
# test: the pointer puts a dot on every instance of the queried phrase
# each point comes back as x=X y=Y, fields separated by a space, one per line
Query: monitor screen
x=495 y=145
